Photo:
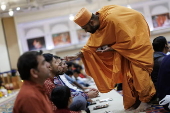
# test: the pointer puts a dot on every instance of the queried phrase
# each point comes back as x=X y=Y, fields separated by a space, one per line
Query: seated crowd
x=42 y=73
x=52 y=85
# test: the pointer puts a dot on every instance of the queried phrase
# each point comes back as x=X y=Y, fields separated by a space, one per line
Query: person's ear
x=70 y=98
x=166 y=46
x=34 y=73
x=92 y=22
x=50 y=67
x=70 y=101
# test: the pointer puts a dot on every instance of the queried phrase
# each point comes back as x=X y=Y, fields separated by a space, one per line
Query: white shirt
x=67 y=83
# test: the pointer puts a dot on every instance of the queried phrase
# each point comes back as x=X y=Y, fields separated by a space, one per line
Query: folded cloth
x=165 y=101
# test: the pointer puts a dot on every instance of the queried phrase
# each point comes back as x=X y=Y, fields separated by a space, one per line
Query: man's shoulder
x=25 y=95
x=25 y=101
x=28 y=91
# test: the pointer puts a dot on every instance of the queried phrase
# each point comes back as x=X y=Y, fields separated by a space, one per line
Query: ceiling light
x=11 y=12
x=71 y=17
x=3 y=7
x=18 y=8
x=128 y=6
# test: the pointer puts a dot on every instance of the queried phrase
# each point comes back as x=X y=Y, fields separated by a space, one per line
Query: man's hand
x=69 y=58
x=87 y=89
x=93 y=93
x=104 y=49
x=93 y=89
x=73 y=57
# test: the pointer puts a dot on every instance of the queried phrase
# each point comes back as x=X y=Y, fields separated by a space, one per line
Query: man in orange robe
x=119 y=45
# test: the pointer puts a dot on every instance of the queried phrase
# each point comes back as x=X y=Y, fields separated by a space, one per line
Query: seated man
x=55 y=81
x=61 y=97
x=74 y=66
x=160 y=46
x=34 y=71
x=70 y=65
x=66 y=81
x=163 y=84
x=67 y=76
x=76 y=73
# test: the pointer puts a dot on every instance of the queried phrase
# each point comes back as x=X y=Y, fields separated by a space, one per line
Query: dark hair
x=76 y=71
x=56 y=57
x=26 y=62
x=69 y=64
x=159 y=43
x=48 y=57
x=78 y=67
x=60 y=96
x=69 y=72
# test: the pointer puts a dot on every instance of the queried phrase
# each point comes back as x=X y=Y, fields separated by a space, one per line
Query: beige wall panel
x=4 y=60
x=12 y=41
x=166 y=35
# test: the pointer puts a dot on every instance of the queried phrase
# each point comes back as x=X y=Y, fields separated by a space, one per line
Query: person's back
x=158 y=57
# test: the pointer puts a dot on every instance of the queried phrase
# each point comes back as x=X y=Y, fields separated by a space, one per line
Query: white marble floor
x=116 y=105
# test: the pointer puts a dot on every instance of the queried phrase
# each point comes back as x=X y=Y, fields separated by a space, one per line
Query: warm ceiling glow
x=11 y=12
x=18 y=8
x=71 y=17
x=3 y=7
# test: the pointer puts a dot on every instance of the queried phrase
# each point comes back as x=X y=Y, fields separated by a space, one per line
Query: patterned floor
x=7 y=106
x=153 y=109
x=7 y=103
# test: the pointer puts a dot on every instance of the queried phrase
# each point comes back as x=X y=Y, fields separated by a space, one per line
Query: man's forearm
x=78 y=85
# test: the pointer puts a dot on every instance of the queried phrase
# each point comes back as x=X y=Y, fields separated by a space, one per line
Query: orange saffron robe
x=127 y=32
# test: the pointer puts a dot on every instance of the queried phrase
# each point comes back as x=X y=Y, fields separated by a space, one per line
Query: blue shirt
x=71 y=80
